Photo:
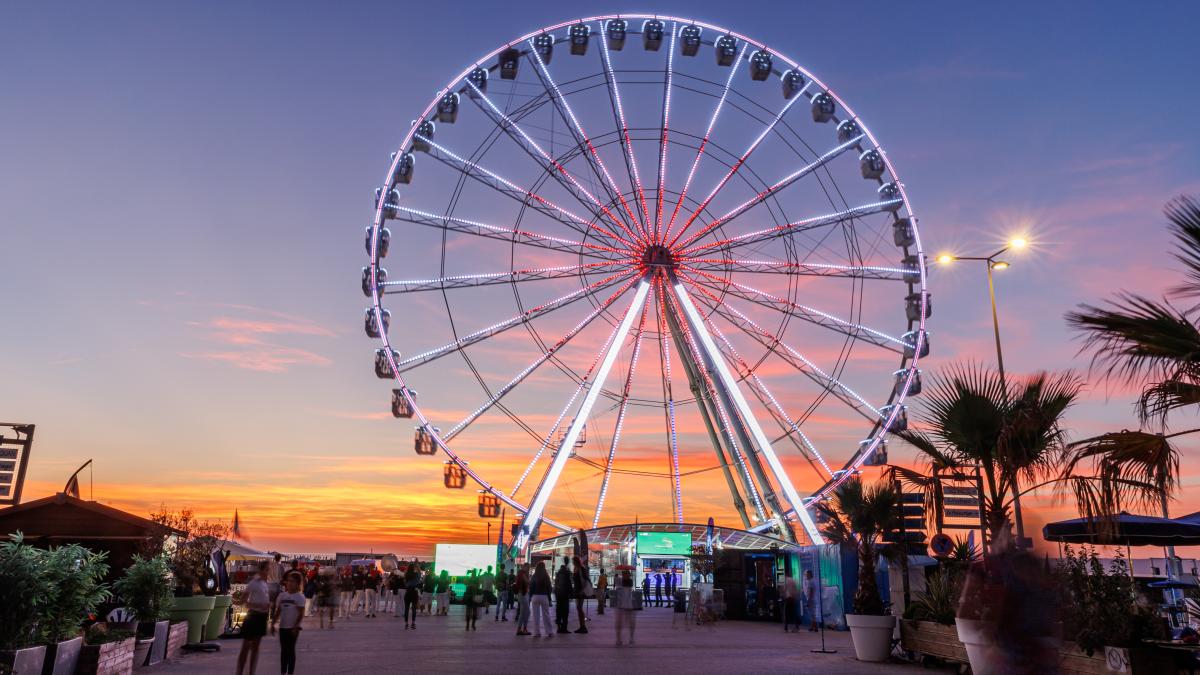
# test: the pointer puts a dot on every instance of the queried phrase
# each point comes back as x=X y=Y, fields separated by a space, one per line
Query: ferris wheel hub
x=659 y=258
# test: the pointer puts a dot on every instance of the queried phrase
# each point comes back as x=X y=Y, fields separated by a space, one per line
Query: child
x=289 y=612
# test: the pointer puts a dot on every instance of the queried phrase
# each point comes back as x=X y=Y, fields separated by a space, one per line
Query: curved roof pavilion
x=723 y=537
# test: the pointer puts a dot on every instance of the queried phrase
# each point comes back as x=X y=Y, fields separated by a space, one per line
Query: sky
x=183 y=192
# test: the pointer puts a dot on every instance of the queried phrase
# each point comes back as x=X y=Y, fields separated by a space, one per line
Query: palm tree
x=1009 y=431
x=860 y=516
x=1152 y=343
x=1155 y=345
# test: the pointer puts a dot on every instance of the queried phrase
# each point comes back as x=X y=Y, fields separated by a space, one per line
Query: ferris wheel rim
x=899 y=394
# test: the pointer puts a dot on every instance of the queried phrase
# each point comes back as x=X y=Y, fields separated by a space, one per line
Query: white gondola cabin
x=423 y=442
x=760 y=65
x=383 y=368
x=578 y=35
x=652 y=35
x=726 y=49
x=372 y=325
x=823 y=107
x=689 y=40
x=615 y=32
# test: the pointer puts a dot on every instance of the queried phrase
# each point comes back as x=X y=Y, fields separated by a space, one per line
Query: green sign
x=663 y=543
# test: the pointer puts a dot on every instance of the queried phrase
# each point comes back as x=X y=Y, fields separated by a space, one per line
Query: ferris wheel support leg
x=699 y=391
x=728 y=385
x=537 y=506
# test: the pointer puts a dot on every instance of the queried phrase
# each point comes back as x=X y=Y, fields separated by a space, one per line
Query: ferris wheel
x=647 y=259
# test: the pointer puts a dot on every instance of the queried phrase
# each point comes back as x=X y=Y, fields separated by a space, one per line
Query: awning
x=238 y=551
x=724 y=537
x=1126 y=530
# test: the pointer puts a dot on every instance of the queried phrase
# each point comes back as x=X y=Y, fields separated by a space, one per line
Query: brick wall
x=111 y=658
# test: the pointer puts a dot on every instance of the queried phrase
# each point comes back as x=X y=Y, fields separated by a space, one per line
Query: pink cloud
x=265 y=358
x=252 y=351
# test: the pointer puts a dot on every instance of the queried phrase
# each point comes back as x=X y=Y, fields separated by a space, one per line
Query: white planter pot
x=872 y=635
x=979 y=637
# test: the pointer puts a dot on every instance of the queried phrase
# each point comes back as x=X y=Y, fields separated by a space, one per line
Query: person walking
x=345 y=594
x=645 y=590
x=274 y=576
x=562 y=597
x=289 y=613
x=539 y=600
x=487 y=583
x=502 y=583
x=310 y=593
x=601 y=591
x=358 y=601
x=623 y=605
x=254 y=626
x=428 y=586
x=412 y=595
x=327 y=600
x=474 y=598
x=520 y=589
x=811 y=600
x=372 y=587
x=658 y=584
x=443 y=593
x=791 y=595
x=581 y=583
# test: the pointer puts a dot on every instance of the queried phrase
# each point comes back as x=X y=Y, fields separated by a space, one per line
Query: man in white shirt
x=289 y=612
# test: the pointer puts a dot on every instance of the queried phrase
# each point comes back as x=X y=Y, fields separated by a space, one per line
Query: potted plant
x=189 y=561
x=24 y=591
x=76 y=579
x=1102 y=616
x=928 y=624
x=145 y=590
x=858 y=517
x=106 y=650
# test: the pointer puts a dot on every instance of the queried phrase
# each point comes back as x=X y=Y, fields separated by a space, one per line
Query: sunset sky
x=183 y=192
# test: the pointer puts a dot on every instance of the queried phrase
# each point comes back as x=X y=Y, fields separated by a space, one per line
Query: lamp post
x=993 y=262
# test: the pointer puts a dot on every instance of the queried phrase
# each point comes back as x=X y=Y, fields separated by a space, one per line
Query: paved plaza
x=441 y=645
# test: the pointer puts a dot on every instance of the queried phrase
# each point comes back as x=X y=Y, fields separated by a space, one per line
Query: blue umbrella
x=1173 y=584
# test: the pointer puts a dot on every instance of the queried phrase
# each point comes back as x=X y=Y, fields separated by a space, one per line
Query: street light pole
x=993 y=263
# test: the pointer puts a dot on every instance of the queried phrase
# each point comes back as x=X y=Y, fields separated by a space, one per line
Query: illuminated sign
x=664 y=543
x=15 y=442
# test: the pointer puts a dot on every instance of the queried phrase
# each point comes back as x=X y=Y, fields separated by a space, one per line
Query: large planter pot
x=62 y=658
x=110 y=658
x=194 y=611
x=26 y=661
x=216 y=618
x=979 y=639
x=932 y=639
x=141 y=652
x=872 y=635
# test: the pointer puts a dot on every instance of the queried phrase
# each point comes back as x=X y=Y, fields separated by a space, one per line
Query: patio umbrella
x=1126 y=530
x=1173 y=584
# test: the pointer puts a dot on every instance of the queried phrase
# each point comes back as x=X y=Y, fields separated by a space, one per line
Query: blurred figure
x=562 y=597
x=580 y=582
x=443 y=593
x=623 y=605
x=521 y=590
x=601 y=591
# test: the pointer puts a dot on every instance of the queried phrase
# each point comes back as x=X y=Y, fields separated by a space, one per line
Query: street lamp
x=993 y=262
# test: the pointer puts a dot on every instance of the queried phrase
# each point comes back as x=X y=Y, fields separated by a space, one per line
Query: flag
x=238 y=531
x=72 y=486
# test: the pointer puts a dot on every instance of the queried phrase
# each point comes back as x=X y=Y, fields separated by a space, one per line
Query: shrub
x=939 y=602
x=1099 y=606
x=145 y=588
x=24 y=591
x=76 y=578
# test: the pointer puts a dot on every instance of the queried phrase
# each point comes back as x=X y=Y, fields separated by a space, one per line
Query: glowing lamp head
x=999 y=265
x=1018 y=243
x=945 y=259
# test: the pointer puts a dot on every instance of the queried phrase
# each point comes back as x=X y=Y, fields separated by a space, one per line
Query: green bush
x=24 y=592
x=76 y=579
x=145 y=588
x=1099 y=606
x=939 y=602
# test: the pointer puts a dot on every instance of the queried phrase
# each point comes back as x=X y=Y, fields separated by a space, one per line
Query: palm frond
x=1033 y=439
x=1135 y=339
x=1183 y=214
x=964 y=407
x=1131 y=467
x=1160 y=398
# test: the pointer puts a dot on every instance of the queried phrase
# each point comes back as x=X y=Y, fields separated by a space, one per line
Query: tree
x=1009 y=430
x=189 y=552
x=859 y=516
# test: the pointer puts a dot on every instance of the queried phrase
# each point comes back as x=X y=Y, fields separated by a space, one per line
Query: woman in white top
x=254 y=626
x=289 y=612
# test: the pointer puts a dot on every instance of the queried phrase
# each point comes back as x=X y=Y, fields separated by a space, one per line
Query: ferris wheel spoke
x=528 y=315
x=794 y=227
x=524 y=196
x=804 y=313
x=456 y=224
x=763 y=393
x=495 y=278
x=538 y=504
x=528 y=370
x=552 y=166
x=696 y=324
x=791 y=356
x=712 y=122
x=623 y=407
x=664 y=136
x=635 y=177
x=664 y=350
x=791 y=178
x=795 y=269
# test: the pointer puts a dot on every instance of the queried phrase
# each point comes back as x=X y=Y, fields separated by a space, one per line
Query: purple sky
x=183 y=191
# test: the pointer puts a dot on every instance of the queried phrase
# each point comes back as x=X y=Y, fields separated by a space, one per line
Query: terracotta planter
x=872 y=635
x=216 y=618
x=932 y=639
x=194 y=611
x=26 y=661
x=141 y=652
x=110 y=658
x=177 y=638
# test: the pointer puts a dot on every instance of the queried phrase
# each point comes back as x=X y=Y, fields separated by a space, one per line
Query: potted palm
x=859 y=516
x=145 y=590
x=24 y=591
x=76 y=579
x=928 y=624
